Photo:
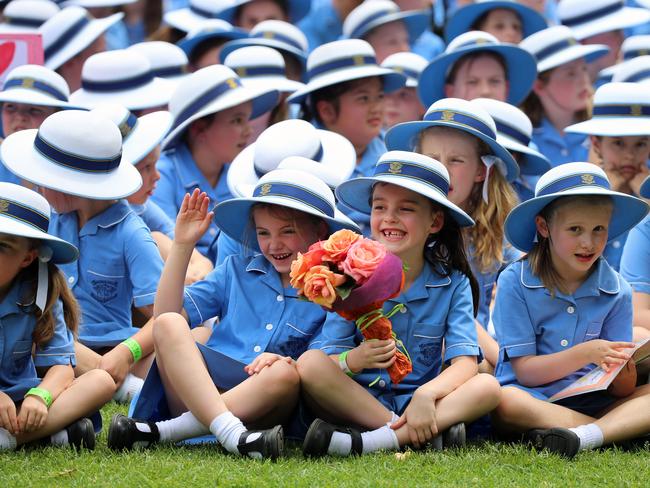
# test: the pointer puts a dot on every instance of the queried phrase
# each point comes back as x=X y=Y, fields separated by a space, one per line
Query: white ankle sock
x=228 y=429
x=340 y=444
x=183 y=427
x=590 y=436
x=7 y=441
x=128 y=389
x=60 y=438
x=372 y=440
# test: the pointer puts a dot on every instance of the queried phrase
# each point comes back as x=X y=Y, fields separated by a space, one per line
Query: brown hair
x=539 y=257
x=471 y=58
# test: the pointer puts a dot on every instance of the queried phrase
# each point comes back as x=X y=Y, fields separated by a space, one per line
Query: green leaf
x=344 y=290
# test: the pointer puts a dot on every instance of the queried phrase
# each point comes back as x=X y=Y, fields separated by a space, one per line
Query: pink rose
x=363 y=258
x=320 y=283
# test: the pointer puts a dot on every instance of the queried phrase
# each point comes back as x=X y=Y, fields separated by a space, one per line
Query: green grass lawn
x=480 y=465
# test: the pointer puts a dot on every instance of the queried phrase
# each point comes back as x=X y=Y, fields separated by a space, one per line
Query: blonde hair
x=487 y=235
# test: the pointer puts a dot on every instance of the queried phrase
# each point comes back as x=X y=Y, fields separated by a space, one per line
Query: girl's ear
x=542 y=226
x=596 y=144
x=326 y=112
x=197 y=128
x=481 y=171
x=539 y=87
x=323 y=230
x=438 y=221
x=449 y=90
x=29 y=258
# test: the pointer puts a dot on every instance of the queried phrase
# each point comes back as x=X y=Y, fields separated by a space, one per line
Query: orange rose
x=338 y=244
x=320 y=282
x=303 y=263
x=363 y=258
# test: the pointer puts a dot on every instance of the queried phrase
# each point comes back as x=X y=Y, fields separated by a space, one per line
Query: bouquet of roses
x=354 y=276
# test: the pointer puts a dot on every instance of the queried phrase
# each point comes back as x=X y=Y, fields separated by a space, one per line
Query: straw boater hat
x=97 y=3
x=409 y=170
x=620 y=109
x=345 y=60
x=207 y=30
x=557 y=45
x=333 y=153
x=26 y=15
x=167 y=60
x=121 y=76
x=74 y=152
x=259 y=67
x=140 y=135
x=370 y=15
x=514 y=132
x=36 y=85
x=408 y=64
x=632 y=47
x=520 y=66
x=635 y=70
x=296 y=189
x=464 y=18
x=69 y=32
x=457 y=114
x=297 y=9
x=211 y=90
x=589 y=18
x=191 y=17
x=572 y=179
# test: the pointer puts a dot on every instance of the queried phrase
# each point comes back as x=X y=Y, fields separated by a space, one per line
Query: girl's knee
x=489 y=389
x=310 y=364
x=166 y=327
x=509 y=404
x=282 y=377
x=100 y=381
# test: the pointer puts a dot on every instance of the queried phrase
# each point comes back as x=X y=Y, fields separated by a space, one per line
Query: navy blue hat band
x=428 y=176
x=170 y=71
x=127 y=125
x=117 y=85
x=555 y=48
x=277 y=37
x=23 y=21
x=639 y=76
x=26 y=215
x=635 y=54
x=65 y=37
x=406 y=72
x=633 y=110
x=248 y=71
x=203 y=13
x=593 y=15
x=460 y=119
x=573 y=181
x=205 y=98
x=512 y=132
x=341 y=63
x=74 y=161
x=362 y=27
x=32 y=84
x=296 y=193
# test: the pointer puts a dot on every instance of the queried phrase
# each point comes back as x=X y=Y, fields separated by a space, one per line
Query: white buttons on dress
x=382 y=383
x=570 y=309
x=257 y=349
x=213 y=231
x=71 y=279
x=279 y=298
x=403 y=309
x=564 y=152
x=616 y=244
x=269 y=326
x=564 y=343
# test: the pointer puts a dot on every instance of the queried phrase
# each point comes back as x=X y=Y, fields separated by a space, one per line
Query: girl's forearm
x=461 y=369
x=169 y=297
x=539 y=370
x=58 y=378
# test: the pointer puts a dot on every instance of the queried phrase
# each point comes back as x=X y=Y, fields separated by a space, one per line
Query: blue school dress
x=17 y=365
x=614 y=251
x=155 y=218
x=119 y=266
x=428 y=45
x=437 y=308
x=529 y=321
x=557 y=148
x=227 y=246
x=635 y=261
x=7 y=176
x=178 y=176
x=321 y=25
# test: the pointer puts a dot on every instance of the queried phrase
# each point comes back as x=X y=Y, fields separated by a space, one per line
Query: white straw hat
x=345 y=60
x=369 y=15
x=190 y=17
x=410 y=65
x=297 y=9
x=211 y=90
x=334 y=154
x=588 y=18
x=26 y=15
x=70 y=31
x=140 y=135
x=632 y=47
x=167 y=60
x=97 y=3
x=635 y=70
x=620 y=109
x=207 y=30
x=121 y=76
x=557 y=45
x=74 y=152
x=33 y=84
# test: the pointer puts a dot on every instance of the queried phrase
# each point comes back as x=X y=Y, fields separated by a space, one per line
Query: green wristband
x=41 y=393
x=135 y=349
x=343 y=363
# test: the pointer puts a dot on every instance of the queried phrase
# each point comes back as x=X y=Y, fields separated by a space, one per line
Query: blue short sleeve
x=635 y=262
x=617 y=325
x=205 y=299
x=460 y=335
x=157 y=220
x=59 y=350
x=144 y=264
x=165 y=194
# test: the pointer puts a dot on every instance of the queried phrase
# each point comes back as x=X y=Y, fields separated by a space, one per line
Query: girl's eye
x=34 y=112
x=262 y=233
x=289 y=231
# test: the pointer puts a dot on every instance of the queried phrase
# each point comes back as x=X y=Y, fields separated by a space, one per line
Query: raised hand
x=193 y=218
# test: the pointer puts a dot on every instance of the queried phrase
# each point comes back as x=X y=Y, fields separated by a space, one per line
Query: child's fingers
x=622 y=345
x=184 y=203
x=400 y=422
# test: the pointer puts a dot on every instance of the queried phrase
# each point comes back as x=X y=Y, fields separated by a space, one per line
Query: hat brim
x=261 y=41
x=82 y=40
x=532 y=163
x=621 y=19
x=402 y=137
x=612 y=126
x=356 y=193
x=263 y=99
x=521 y=72
x=97 y=3
x=150 y=130
x=33 y=97
x=189 y=45
x=62 y=251
x=338 y=156
x=416 y=22
x=297 y=10
x=465 y=17
x=233 y=217
x=19 y=156
x=183 y=19
x=588 y=52
x=391 y=80
x=520 y=225
x=645 y=188
x=279 y=83
x=154 y=94
x=23 y=29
